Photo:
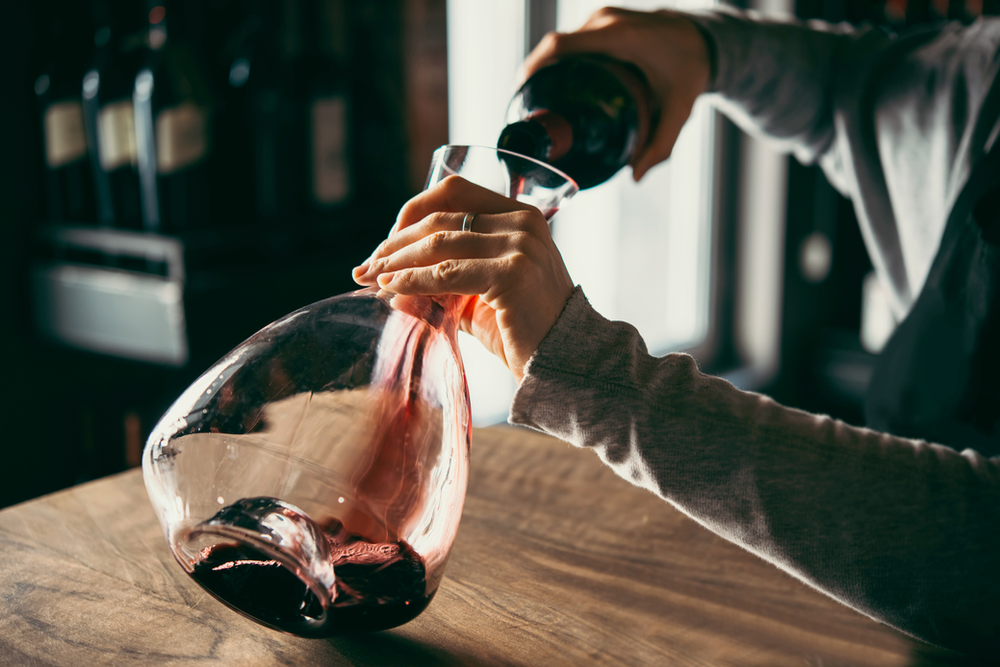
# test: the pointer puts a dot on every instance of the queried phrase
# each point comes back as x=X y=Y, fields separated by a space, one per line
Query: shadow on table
x=929 y=656
x=385 y=648
x=389 y=649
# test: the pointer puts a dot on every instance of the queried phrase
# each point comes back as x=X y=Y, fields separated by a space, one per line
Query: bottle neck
x=106 y=28
x=119 y=26
x=167 y=18
x=544 y=136
x=157 y=27
x=311 y=30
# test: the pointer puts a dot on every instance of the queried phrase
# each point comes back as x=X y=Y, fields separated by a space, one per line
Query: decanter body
x=313 y=479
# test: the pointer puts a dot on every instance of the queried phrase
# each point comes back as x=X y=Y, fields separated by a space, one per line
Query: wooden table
x=557 y=562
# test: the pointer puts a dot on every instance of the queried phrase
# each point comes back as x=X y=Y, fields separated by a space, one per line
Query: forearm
x=777 y=78
x=906 y=105
x=900 y=530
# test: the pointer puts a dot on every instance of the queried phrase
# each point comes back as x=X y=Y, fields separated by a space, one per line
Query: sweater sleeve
x=903 y=531
x=894 y=120
x=777 y=79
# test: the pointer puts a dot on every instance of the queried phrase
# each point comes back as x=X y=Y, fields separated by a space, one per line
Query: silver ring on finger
x=467 y=221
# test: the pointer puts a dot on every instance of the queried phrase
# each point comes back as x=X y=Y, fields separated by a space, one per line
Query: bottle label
x=65 y=139
x=330 y=169
x=181 y=137
x=116 y=135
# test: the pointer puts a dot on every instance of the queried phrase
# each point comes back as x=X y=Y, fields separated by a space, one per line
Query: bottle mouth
x=527 y=138
x=266 y=560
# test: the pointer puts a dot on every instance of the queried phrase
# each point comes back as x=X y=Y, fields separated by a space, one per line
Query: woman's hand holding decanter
x=507 y=263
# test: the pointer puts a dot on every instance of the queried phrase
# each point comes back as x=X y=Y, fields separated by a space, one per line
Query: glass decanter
x=313 y=479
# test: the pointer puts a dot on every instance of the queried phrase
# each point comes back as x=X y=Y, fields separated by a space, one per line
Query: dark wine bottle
x=262 y=131
x=108 y=113
x=232 y=168
x=69 y=188
x=172 y=101
x=322 y=92
x=585 y=115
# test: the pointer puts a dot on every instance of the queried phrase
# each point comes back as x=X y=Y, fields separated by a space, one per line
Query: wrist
x=711 y=55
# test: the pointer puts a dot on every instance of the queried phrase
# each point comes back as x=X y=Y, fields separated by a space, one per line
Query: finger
x=549 y=47
x=434 y=249
x=468 y=277
x=435 y=222
x=668 y=130
x=556 y=45
x=421 y=307
x=661 y=147
x=480 y=320
x=596 y=35
x=436 y=236
x=453 y=194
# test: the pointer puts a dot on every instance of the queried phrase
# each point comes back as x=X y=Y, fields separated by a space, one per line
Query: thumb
x=480 y=320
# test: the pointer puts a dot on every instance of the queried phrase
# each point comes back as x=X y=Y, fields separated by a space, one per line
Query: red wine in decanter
x=379 y=585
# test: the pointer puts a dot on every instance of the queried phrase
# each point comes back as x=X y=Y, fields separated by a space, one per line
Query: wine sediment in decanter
x=377 y=585
x=380 y=579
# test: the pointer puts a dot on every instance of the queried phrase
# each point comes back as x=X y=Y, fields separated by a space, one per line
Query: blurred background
x=177 y=174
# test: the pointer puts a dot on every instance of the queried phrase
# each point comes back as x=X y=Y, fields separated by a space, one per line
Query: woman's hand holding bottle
x=669 y=49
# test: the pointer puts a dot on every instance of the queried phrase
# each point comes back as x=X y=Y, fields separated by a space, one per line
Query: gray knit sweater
x=904 y=531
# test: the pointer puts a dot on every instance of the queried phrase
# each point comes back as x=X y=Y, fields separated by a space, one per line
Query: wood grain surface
x=557 y=562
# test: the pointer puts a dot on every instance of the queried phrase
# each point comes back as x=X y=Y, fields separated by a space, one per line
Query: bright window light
x=485 y=50
x=641 y=251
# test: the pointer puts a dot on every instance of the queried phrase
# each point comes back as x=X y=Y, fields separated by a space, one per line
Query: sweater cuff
x=728 y=35
x=572 y=359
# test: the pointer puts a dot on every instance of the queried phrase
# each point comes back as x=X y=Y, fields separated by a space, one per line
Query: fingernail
x=384 y=279
x=359 y=271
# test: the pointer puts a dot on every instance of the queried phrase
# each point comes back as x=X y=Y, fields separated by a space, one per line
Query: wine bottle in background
x=323 y=93
x=584 y=115
x=260 y=135
x=376 y=52
x=69 y=189
x=108 y=112
x=231 y=166
x=172 y=102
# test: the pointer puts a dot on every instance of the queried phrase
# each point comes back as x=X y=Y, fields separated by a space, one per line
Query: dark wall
x=30 y=435
x=71 y=415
